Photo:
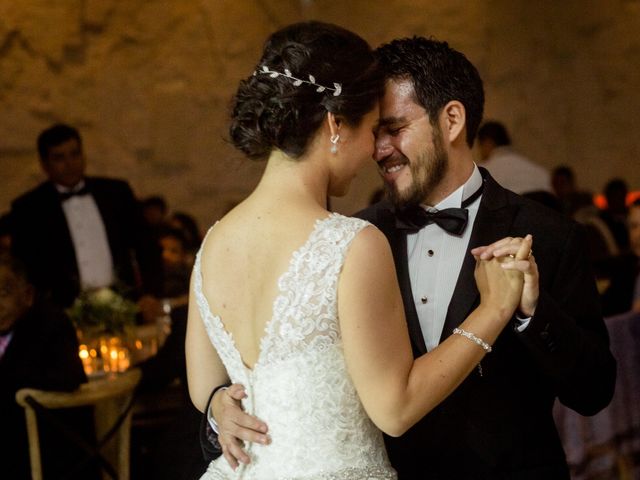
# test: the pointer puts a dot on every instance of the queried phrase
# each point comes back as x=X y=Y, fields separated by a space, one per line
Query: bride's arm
x=205 y=370
x=395 y=390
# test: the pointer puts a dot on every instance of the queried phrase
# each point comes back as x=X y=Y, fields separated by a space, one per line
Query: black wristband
x=208 y=438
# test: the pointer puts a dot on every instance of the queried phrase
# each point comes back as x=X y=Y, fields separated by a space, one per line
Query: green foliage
x=103 y=310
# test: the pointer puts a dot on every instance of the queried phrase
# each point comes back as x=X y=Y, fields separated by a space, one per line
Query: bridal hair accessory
x=334 y=143
x=485 y=346
x=337 y=87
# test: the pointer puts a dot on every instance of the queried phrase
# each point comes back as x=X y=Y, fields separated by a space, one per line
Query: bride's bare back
x=243 y=258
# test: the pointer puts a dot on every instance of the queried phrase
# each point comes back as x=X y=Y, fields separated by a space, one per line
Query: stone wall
x=148 y=83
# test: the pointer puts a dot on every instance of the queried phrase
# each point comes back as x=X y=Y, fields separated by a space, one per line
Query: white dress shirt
x=89 y=237
x=435 y=259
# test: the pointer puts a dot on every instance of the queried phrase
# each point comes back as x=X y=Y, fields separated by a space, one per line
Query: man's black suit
x=41 y=238
x=500 y=425
x=43 y=354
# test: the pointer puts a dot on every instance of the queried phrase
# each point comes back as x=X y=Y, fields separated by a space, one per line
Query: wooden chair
x=111 y=398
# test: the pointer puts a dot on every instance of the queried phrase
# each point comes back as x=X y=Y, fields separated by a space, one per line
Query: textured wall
x=148 y=83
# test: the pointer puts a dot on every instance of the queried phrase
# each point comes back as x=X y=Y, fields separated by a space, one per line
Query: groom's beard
x=427 y=172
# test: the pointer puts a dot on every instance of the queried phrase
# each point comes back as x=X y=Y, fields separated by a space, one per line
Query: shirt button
x=424 y=299
x=430 y=253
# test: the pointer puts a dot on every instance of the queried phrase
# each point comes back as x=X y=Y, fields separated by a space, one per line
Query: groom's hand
x=517 y=255
x=236 y=426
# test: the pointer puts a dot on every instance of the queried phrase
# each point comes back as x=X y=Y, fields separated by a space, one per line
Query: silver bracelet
x=477 y=340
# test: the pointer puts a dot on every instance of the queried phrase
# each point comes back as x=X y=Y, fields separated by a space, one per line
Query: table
x=107 y=353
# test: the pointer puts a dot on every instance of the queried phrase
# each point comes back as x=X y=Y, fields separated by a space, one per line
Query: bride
x=301 y=306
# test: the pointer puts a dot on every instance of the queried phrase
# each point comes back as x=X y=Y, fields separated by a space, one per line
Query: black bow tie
x=67 y=195
x=453 y=220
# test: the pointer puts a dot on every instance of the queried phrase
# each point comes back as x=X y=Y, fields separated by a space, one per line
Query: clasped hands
x=516 y=254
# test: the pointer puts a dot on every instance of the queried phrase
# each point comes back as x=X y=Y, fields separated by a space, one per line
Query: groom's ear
x=453 y=121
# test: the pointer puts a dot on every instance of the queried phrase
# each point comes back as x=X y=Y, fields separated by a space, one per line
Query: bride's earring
x=334 y=141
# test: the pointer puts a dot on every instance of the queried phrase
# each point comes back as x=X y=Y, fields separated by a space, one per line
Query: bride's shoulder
x=221 y=232
x=368 y=240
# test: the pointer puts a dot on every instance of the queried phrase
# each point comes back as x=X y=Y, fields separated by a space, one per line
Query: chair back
x=111 y=398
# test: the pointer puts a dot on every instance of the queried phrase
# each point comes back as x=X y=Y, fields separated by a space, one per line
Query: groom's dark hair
x=439 y=75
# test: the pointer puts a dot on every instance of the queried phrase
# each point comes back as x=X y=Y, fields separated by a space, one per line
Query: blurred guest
x=563 y=182
x=601 y=243
x=622 y=272
x=38 y=349
x=615 y=214
x=176 y=265
x=172 y=452
x=547 y=199
x=189 y=227
x=169 y=364
x=509 y=168
x=634 y=240
x=75 y=232
x=154 y=210
x=5 y=232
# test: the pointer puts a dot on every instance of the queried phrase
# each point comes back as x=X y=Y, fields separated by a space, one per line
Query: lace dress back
x=300 y=385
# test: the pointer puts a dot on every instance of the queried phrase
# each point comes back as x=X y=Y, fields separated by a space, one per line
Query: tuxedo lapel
x=398 y=243
x=493 y=222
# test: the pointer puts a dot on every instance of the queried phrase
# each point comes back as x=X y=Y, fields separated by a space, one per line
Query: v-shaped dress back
x=300 y=385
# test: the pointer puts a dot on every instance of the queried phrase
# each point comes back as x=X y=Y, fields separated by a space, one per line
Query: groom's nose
x=382 y=149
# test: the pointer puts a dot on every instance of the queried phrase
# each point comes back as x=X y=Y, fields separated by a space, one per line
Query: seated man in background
x=74 y=232
x=38 y=349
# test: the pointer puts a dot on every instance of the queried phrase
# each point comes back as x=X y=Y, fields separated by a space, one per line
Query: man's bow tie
x=453 y=220
x=67 y=195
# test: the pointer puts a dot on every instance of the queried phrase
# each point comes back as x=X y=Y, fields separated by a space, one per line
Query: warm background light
x=148 y=83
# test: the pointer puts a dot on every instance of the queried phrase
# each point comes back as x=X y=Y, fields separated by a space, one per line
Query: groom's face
x=409 y=151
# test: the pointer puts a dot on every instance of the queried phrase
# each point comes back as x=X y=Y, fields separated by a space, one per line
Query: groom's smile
x=391 y=167
x=409 y=152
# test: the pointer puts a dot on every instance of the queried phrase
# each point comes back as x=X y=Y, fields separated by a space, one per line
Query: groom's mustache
x=393 y=161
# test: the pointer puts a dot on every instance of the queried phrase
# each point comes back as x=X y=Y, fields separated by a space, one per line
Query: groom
x=498 y=423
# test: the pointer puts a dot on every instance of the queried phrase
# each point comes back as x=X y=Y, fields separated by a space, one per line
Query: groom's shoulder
x=379 y=213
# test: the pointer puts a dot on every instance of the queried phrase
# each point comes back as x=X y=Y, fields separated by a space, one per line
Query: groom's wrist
x=210 y=419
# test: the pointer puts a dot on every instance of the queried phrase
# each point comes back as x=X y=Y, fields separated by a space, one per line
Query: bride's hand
x=516 y=254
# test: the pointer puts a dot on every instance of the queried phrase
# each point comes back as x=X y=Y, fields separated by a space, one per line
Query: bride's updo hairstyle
x=280 y=105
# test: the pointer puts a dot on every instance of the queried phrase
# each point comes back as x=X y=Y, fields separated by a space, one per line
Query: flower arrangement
x=103 y=310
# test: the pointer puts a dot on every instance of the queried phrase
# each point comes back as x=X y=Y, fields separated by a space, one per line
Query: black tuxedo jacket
x=499 y=425
x=43 y=354
x=41 y=238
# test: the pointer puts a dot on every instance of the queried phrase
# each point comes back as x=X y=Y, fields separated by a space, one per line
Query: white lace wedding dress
x=300 y=385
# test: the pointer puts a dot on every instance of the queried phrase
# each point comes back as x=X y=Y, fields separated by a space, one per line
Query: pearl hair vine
x=337 y=87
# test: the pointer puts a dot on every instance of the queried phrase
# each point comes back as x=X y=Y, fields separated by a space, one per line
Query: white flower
x=103 y=296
